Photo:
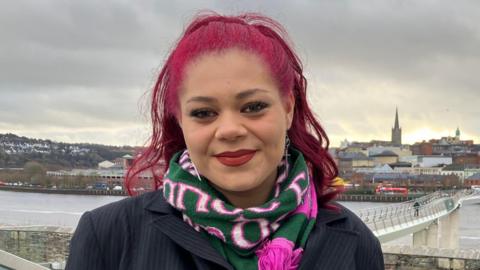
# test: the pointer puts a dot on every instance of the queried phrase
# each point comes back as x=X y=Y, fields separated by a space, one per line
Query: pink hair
x=254 y=33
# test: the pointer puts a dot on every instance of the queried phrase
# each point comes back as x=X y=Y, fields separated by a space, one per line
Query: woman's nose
x=230 y=127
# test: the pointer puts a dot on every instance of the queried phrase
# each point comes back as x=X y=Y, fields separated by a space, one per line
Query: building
x=462 y=171
x=473 y=180
x=385 y=157
x=396 y=131
x=348 y=161
x=467 y=158
x=411 y=181
x=446 y=146
x=110 y=173
x=433 y=161
x=422 y=148
x=105 y=165
x=458 y=170
x=399 y=150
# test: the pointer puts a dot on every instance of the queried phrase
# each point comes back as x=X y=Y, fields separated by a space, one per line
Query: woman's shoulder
x=346 y=234
x=345 y=219
x=112 y=229
x=337 y=215
x=123 y=213
x=352 y=221
x=134 y=203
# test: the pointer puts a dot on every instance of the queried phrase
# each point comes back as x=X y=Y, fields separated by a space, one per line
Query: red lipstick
x=236 y=158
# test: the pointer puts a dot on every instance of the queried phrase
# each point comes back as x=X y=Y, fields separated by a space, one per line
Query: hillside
x=15 y=151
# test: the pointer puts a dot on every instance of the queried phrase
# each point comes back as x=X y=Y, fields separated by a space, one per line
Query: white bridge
x=433 y=221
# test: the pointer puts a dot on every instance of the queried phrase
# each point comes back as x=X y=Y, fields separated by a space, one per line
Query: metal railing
x=405 y=214
x=14 y=262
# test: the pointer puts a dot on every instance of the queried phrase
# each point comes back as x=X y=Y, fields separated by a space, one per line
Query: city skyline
x=409 y=141
x=80 y=71
x=397 y=137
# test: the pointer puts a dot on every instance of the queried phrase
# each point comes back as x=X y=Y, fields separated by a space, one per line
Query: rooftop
x=386 y=153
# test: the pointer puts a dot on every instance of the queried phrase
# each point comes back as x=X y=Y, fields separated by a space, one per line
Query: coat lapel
x=330 y=247
x=181 y=233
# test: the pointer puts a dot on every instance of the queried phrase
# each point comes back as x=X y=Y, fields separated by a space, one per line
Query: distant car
x=101 y=186
x=117 y=188
x=2 y=183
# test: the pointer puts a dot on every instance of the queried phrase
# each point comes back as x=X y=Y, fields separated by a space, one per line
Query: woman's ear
x=289 y=108
x=178 y=116
x=179 y=120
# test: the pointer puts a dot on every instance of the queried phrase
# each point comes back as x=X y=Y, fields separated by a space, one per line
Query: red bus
x=391 y=190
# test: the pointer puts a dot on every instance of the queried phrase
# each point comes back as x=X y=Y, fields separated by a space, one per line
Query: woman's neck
x=253 y=197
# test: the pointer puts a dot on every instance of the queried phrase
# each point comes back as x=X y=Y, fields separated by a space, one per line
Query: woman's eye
x=202 y=113
x=254 y=107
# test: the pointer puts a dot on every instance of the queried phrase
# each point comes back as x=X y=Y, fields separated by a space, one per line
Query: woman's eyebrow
x=249 y=92
x=202 y=99
x=241 y=95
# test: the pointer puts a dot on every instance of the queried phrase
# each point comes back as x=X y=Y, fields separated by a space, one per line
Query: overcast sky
x=77 y=71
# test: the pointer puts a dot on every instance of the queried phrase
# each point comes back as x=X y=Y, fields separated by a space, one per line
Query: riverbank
x=341 y=197
x=64 y=191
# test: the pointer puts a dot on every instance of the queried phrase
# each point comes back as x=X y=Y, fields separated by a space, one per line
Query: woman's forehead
x=234 y=69
x=234 y=57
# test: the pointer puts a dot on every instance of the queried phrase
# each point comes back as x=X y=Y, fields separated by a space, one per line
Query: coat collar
x=326 y=243
x=155 y=202
x=168 y=221
x=330 y=245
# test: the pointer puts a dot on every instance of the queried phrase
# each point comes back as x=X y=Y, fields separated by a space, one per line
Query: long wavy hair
x=254 y=33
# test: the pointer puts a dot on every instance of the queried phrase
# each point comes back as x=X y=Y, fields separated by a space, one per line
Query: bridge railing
x=404 y=214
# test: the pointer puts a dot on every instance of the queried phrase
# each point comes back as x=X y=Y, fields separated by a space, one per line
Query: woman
x=248 y=179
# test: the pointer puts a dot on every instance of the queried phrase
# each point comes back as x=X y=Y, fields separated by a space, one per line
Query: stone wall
x=38 y=244
x=425 y=258
x=43 y=244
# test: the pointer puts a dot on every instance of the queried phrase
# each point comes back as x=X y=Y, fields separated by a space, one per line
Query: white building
x=105 y=164
x=419 y=170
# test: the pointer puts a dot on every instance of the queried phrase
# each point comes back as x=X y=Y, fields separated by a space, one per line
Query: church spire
x=396 y=131
x=397 y=125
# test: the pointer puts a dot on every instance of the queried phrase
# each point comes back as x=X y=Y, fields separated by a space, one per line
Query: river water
x=18 y=208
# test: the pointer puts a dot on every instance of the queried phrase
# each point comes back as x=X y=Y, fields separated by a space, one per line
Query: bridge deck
x=396 y=220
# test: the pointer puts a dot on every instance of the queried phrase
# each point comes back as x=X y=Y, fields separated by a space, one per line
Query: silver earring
x=287 y=145
x=196 y=172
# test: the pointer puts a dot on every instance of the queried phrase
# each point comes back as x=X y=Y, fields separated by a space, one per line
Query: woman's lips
x=236 y=158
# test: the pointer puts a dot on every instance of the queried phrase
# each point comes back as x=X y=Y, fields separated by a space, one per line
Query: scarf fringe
x=278 y=254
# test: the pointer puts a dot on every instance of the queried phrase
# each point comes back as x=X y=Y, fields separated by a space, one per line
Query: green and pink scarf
x=269 y=236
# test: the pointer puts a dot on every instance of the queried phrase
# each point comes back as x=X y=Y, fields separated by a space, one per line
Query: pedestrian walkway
x=400 y=219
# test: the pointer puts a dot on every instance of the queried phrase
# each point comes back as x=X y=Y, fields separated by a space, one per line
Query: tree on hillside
x=35 y=172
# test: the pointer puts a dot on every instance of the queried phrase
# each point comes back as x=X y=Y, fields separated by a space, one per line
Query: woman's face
x=234 y=122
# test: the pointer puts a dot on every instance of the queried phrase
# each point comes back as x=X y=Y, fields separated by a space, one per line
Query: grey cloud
x=71 y=108
x=86 y=64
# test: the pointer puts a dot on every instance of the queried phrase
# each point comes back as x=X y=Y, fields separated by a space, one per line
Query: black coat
x=145 y=232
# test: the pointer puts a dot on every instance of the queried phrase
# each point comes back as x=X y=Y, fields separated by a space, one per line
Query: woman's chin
x=235 y=187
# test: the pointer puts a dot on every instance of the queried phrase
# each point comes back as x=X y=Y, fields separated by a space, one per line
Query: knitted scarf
x=269 y=236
